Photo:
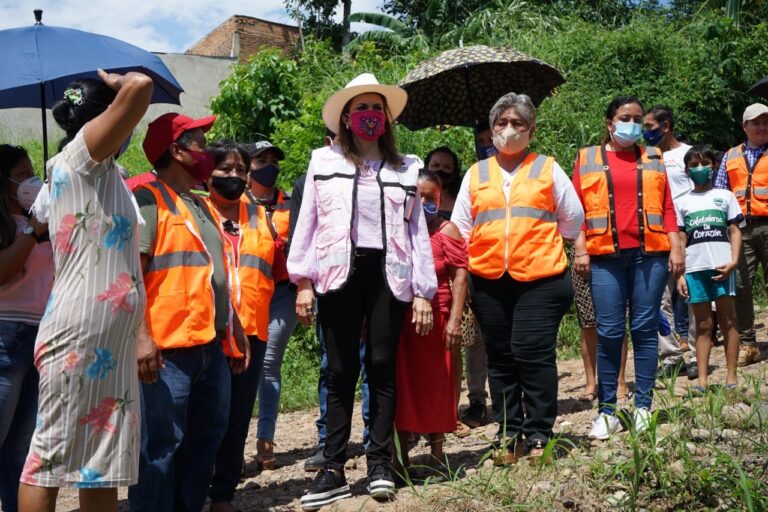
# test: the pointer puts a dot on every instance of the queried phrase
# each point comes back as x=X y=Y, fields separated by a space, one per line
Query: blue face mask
x=627 y=133
x=430 y=210
x=484 y=152
x=653 y=137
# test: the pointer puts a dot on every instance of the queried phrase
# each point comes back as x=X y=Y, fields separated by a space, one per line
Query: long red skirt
x=426 y=396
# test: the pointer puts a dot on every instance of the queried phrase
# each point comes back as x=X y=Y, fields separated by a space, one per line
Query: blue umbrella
x=38 y=62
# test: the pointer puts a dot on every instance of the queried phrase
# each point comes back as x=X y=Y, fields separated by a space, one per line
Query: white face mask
x=511 y=142
x=27 y=191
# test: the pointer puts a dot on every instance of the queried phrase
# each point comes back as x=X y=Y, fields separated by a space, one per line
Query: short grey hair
x=520 y=102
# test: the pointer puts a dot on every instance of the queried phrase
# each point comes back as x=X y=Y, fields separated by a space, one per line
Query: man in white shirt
x=659 y=131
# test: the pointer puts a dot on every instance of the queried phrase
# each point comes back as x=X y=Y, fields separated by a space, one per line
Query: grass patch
x=708 y=453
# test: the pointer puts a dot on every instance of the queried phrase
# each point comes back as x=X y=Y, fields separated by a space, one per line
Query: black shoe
x=670 y=370
x=317 y=461
x=328 y=487
x=475 y=415
x=692 y=371
x=381 y=483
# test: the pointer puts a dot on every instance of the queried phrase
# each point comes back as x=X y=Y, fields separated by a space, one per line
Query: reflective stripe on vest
x=600 y=210
x=749 y=185
x=256 y=262
x=177 y=259
x=519 y=235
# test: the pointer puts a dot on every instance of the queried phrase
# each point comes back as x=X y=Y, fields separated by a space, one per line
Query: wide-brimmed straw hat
x=395 y=97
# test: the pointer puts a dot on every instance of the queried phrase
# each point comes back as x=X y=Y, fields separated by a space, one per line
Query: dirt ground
x=279 y=490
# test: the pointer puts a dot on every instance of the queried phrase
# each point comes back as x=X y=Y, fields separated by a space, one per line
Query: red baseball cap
x=163 y=131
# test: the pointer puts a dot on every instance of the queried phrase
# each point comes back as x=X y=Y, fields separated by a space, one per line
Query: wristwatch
x=29 y=230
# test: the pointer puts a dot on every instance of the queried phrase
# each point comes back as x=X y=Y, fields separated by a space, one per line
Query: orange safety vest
x=748 y=184
x=180 y=300
x=599 y=207
x=278 y=214
x=252 y=283
x=519 y=235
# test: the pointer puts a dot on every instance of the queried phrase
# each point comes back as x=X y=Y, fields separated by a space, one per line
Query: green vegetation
x=708 y=453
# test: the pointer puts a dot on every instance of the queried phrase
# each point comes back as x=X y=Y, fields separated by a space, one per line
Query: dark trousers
x=519 y=323
x=229 y=459
x=364 y=298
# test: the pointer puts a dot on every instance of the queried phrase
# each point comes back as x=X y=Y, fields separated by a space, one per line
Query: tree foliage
x=699 y=65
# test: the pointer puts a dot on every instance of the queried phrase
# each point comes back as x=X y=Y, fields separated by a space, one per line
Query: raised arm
x=105 y=133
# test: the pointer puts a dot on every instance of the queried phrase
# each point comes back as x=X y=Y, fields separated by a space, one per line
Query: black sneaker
x=317 y=461
x=328 y=487
x=670 y=370
x=692 y=371
x=381 y=483
x=475 y=415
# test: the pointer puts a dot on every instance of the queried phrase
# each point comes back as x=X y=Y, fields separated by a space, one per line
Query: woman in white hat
x=361 y=244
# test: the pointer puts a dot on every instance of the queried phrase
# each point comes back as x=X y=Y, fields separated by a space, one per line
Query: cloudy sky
x=159 y=26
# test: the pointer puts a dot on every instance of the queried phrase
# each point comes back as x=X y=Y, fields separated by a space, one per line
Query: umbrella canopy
x=54 y=56
x=760 y=88
x=459 y=86
x=38 y=62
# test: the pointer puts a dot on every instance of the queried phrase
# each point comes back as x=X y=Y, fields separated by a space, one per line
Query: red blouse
x=623 y=165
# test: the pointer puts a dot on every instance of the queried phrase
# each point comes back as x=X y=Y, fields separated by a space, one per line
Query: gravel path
x=279 y=490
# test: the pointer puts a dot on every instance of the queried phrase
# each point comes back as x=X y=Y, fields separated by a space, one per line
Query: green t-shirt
x=206 y=224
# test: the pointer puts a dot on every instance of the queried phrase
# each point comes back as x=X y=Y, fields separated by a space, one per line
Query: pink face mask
x=368 y=124
x=202 y=168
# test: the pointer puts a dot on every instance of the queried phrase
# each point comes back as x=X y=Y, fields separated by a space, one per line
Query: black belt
x=367 y=251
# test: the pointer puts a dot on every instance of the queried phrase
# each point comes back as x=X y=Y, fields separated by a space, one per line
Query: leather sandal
x=265 y=455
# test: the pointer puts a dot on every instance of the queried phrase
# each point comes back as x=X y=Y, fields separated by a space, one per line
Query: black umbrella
x=459 y=86
x=760 y=88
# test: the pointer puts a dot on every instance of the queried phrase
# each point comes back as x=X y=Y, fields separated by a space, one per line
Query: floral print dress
x=87 y=432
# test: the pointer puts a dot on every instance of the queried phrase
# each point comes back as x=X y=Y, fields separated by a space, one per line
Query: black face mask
x=446 y=178
x=229 y=187
x=266 y=176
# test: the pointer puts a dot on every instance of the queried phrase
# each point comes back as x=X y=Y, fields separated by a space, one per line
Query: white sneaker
x=603 y=426
x=641 y=418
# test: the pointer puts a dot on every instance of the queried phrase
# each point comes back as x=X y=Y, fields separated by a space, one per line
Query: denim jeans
x=636 y=281
x=18 y=405
x=229 y=460
x=322 y=391
x=282 y=320
x=184 y=417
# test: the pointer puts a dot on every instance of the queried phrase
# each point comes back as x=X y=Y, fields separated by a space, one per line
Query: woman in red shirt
x=629 y=245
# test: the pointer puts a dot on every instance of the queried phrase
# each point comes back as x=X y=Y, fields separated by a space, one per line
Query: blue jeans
x=636 y=281
x=322 y=391
x=18 y=405
x=680 y=308
x=183 y=419
x=282 y=320
x=229 y=460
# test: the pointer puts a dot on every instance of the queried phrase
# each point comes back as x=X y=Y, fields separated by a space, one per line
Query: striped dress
x=87 y=432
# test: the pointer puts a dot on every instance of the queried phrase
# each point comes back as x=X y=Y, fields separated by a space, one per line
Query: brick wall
x=249 y=35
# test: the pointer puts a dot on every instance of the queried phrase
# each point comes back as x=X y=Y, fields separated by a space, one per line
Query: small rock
x=575 y=452
x=566 y=426
x=606 y=455
x=620 y=459
x=701 y=434
x=351 y=464
x=566 y=473
x=736 y=415
x=730 y=434
x=569 y=503
x=543 y=487
x=470 y=472
x=488 y=463
x=677 y=469
x=597 y=443
x=616 y=499
x=690 y=447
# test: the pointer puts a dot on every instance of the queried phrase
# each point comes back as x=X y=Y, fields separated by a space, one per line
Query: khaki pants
x=754 y=252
